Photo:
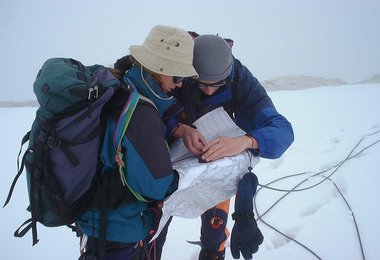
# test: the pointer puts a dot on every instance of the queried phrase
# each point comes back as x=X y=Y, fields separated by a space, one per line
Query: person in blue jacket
x=224 y=81
x=158 y=66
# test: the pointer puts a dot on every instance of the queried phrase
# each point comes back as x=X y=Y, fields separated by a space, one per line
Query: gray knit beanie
x=213 y=58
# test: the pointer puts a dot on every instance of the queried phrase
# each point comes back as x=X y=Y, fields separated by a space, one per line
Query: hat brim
x=213 y=77
x=162 y=65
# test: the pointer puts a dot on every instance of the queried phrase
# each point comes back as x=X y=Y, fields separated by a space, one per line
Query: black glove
x=245 y=236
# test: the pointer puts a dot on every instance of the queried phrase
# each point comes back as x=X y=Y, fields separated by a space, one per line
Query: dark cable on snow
x=353 y=216
x=318 y=173
x=294 y=189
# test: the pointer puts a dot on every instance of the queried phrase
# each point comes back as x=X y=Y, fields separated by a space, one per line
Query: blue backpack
x=63 y=166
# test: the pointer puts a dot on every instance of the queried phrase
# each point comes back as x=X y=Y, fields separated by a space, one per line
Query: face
x=168 y=83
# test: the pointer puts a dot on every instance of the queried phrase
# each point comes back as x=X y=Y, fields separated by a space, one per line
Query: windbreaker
x=247 y=102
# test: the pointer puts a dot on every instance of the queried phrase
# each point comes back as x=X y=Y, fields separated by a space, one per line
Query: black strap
x=21 y=232
x=234 y=85
x=231 y=105
x=35 y=188
x=243 y=216
x=69 y=155
x=103 y=217
x=52 y=140
x=20 y=170
x=23 y=141
x=31 y=224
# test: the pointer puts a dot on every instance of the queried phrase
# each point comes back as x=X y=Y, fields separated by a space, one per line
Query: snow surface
x=331 y=124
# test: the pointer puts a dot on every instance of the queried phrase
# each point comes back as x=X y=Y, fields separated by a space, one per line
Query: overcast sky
x=323 y=38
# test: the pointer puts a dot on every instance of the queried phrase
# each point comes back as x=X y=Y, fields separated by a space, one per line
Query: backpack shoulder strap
x=234 y=83
x=121 y=128
x=231 y=105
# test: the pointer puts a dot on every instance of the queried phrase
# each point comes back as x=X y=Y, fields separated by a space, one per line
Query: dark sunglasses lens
x=178 y=79
x=218 y=84
x=212 y=85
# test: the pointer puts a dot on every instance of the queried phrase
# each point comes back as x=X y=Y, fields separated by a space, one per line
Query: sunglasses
x=177 y=79
x=218 y=84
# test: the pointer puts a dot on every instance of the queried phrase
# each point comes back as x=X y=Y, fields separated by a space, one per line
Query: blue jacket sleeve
x=148 y=169
x=256 y=114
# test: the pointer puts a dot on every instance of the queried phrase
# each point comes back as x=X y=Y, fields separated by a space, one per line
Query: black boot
x=206 y=254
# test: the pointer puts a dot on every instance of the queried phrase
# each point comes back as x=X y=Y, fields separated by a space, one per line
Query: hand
x=192 y=138
x=245 y=236
x=225 y=146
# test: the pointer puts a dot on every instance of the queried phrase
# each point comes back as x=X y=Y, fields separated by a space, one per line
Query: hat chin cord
x=151 y=90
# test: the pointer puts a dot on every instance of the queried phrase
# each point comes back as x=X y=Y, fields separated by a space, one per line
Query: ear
x=229 y=41
x=193 y=34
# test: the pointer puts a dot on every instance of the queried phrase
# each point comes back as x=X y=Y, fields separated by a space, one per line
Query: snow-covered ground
x=315 y=193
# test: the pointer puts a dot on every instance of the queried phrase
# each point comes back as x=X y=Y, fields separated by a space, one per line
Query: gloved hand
x=245 y=236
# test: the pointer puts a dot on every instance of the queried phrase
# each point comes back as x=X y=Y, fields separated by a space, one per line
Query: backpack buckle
x=93 y=93
x=51 y=141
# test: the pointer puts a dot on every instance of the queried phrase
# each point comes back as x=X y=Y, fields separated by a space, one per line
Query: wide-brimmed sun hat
x=166 y=50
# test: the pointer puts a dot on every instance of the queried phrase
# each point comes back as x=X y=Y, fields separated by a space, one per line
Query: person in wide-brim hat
x=153 y=69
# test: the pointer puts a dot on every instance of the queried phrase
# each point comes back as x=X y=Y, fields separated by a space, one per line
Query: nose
x=208 y=91
x=178 y=85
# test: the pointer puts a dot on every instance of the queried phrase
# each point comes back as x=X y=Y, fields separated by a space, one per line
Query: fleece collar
x=148 y=86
